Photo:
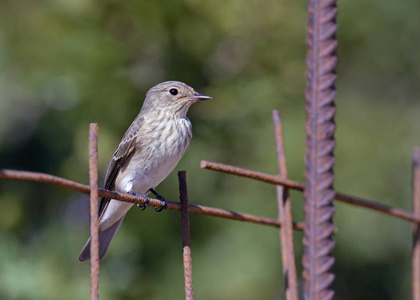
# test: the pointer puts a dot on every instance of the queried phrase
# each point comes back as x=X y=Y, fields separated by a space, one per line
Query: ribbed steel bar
x=186 y=239
x=416 y=227
x=285 y=215
x=389 y=210
x=94 y=208
x=7 y=174
x=321 y=60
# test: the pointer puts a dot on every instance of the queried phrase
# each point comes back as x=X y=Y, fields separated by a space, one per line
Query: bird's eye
x=173 y=92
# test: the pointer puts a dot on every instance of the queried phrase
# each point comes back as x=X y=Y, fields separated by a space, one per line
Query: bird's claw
x=146 y=199
x=146 y=202
x=143 y=207
x=160 y=198
x=164 y=205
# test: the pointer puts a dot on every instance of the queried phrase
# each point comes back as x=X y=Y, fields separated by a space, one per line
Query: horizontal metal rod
x=396 y=212
x=198 y=209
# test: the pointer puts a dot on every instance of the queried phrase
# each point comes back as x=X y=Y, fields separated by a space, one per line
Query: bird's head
x=173 y=97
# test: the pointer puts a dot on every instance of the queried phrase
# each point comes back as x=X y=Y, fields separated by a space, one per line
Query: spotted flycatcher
x=147 y=154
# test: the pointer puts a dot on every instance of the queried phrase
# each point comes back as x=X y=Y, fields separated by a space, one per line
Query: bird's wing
x=124 y=151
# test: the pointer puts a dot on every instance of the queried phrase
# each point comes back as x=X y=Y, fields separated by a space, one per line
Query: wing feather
x=124 y=151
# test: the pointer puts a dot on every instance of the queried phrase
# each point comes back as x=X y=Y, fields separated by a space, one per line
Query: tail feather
x=105 y=239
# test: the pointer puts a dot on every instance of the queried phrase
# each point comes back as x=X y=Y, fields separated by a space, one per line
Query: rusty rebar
x=260 y=176
x=186 y=239
x=94 y=208
x=319 y=193
x=232 y=215
x=285 y=215
x=389 y=210
x=416 y=227
x=7 y=174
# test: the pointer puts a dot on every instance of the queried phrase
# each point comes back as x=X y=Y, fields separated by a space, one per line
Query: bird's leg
x=146 y=199
x=159 y=197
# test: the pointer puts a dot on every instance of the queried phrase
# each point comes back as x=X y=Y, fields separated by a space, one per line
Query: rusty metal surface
x=94 y=208
x=6 y=174
x=285 y=216
x=395 y=212
x=321 y=60
x=416 y=227
x=228 y=169
x=186 y=239
x=233 y=215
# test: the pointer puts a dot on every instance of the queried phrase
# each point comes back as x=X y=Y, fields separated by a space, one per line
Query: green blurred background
x=65 y=64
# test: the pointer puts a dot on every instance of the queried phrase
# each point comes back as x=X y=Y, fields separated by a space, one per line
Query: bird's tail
x=105 y=239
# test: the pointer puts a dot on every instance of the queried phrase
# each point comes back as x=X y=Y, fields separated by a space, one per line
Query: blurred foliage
x=64 y=64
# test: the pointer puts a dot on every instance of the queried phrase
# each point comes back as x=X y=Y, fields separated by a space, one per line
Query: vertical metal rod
x=416 y=227
x=94 y=207
x=186 y=240
x=320 y=108
x=285 y=215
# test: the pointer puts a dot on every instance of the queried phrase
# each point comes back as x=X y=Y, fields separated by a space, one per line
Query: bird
x=148 y=152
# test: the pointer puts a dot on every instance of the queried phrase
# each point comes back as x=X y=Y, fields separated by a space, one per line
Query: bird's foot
x=159 y=197
x=146 y=199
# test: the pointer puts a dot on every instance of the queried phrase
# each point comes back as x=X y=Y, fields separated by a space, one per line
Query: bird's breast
x=160 y=147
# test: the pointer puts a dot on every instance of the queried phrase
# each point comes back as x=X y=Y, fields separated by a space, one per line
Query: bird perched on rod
x=149 y=151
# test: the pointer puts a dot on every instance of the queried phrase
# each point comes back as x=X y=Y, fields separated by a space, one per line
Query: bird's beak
x=198 y=97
